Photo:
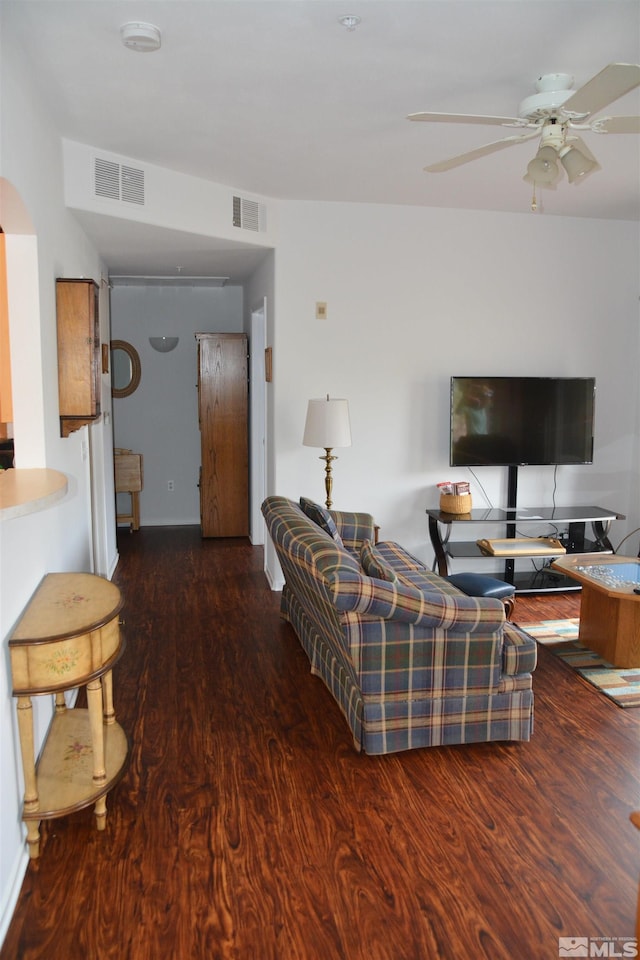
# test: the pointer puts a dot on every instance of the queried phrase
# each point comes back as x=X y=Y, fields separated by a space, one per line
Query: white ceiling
x=276 y=98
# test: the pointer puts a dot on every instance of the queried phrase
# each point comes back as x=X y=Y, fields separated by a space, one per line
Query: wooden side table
x=128 y=476
x=69 y=636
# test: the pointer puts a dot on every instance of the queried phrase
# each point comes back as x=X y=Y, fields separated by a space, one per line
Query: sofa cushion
x=411 y=571
x=322 y=517
x=374 y=565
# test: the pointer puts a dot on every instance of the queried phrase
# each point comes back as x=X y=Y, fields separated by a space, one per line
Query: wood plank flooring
x=248 y=828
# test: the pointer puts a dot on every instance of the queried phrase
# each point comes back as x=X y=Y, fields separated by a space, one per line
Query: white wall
x=260 y=294
x=160 y=420
x=60 y=537
x=417 y=295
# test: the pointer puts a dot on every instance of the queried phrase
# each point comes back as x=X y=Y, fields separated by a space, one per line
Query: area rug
x=561 y=638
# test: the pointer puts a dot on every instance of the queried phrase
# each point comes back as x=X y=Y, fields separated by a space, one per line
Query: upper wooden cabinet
x=78 y=353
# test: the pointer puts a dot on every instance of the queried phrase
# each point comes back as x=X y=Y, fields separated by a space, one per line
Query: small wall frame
x=125 y=377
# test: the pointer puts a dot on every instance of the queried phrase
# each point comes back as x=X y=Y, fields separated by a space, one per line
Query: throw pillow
x=322 y=517
x=374 y=564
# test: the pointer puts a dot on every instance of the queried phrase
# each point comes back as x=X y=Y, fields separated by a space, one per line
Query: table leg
x=107 y=699
x=31 y=799
x=601 y=533
x=100 y=811
x=438 y=547
x=94 y=704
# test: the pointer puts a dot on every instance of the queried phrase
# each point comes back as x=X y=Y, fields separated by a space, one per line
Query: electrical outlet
x=170 y=486
x=321 y=310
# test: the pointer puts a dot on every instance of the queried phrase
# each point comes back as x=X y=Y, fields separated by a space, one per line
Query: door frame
x=258 y=422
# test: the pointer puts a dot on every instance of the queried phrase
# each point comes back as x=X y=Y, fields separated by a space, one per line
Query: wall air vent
x=249 y=215
x=116 y=181
x=107 y=179
x=132 y=184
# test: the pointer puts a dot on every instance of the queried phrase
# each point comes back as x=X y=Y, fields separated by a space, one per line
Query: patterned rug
x=561 y=638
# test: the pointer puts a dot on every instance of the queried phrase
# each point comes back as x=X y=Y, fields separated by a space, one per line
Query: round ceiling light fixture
x=142 y=37
x=350 y=21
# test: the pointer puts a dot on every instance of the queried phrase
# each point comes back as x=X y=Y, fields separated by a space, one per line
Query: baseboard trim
x=276 y=583
x=12 y=890
x=164 y=522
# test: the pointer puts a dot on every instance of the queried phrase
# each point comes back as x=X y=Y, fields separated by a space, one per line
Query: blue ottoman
x=479 y=585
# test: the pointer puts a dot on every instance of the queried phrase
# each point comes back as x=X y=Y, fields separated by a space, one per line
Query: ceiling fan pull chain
x=534 y=202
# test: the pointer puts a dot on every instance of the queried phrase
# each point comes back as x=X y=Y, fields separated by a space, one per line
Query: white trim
x=258 y=421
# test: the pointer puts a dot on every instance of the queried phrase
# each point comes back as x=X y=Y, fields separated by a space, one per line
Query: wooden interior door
x=223 y=412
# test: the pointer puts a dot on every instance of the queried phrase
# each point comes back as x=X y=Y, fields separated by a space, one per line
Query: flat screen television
x=514 y=421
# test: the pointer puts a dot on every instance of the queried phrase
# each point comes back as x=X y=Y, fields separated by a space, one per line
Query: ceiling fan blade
x=467 y=118
x=607 y=86
x=479 y=152
x=617 y=125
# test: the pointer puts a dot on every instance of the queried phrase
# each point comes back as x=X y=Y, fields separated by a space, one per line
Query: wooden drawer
x=68 y=634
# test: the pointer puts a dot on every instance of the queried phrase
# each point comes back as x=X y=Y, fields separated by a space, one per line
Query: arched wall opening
x=23 y=333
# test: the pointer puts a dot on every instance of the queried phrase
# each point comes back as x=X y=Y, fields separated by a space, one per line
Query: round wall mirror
x=125 y=369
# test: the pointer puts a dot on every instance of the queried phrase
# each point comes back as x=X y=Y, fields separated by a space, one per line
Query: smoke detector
x=142 y=37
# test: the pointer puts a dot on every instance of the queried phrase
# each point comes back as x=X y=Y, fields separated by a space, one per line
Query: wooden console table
x=69 y=636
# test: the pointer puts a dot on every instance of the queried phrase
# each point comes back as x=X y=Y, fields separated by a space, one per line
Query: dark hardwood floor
x=248 y=828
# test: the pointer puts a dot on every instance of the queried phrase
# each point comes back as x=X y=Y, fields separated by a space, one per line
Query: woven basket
x=451 y=503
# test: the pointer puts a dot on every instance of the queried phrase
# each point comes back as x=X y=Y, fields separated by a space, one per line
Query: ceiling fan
x=552 y=114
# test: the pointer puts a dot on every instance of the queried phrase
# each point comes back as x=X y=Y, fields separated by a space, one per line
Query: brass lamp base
x=328 y=479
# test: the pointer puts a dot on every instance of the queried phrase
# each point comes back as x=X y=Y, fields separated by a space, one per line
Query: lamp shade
x=575 y=163
x=544 y=166
x=327 y=424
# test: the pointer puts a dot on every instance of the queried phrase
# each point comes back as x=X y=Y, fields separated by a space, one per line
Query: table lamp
x=327 y=426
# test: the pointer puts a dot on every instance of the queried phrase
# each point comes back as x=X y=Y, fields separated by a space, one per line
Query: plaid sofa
x=410 y=660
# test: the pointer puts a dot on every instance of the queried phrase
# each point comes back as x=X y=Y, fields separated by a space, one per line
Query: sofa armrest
x=398 y=601
x=354 y=528
x=519 y=651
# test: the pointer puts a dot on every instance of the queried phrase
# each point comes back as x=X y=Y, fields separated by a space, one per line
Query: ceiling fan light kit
x=552 y=113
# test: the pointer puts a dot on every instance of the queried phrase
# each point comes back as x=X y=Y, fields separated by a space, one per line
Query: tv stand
x=512 y=519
